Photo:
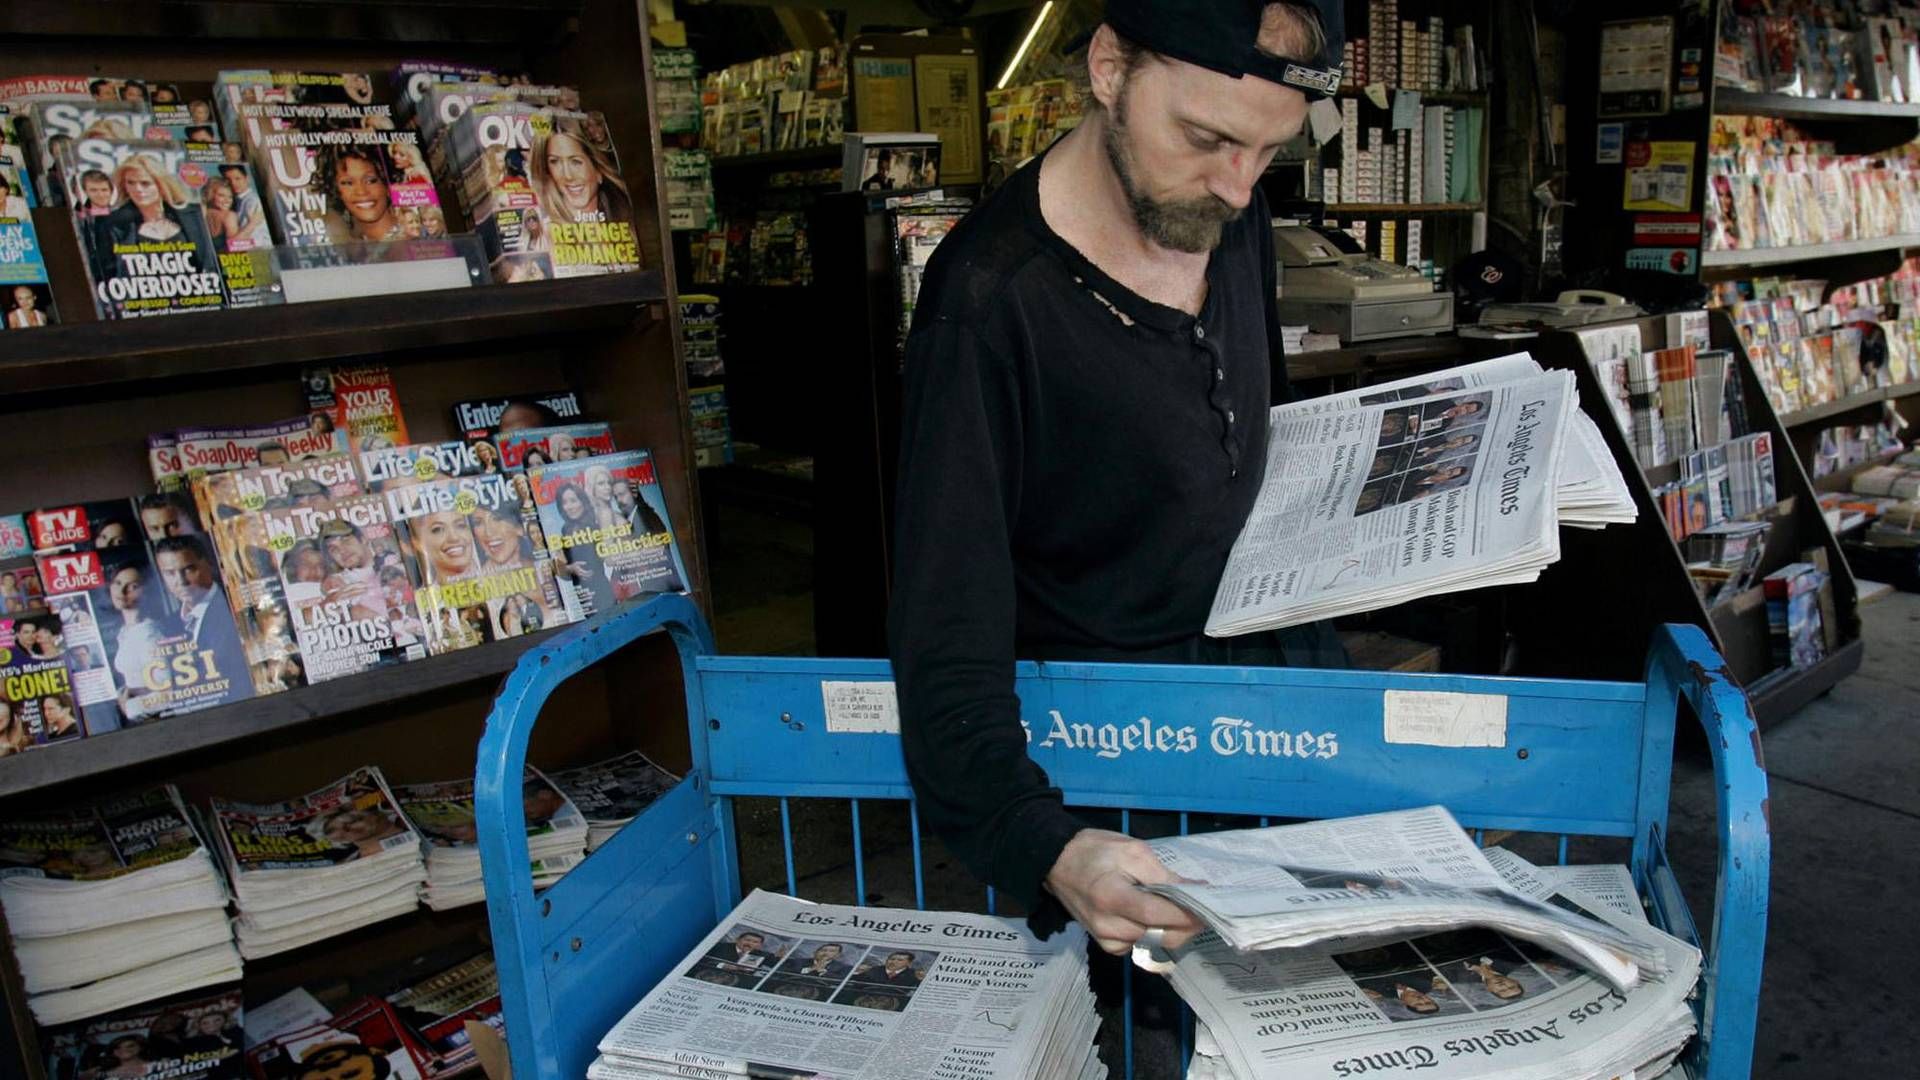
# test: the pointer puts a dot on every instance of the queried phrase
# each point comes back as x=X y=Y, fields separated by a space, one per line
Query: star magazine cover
x=149 y=252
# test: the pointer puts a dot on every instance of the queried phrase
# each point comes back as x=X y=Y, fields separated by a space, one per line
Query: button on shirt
x=1076 y=462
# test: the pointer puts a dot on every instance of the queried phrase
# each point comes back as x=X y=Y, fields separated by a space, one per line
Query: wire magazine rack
x=1577 y=758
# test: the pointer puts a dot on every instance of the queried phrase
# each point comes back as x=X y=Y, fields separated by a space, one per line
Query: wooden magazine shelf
x=79 y=355
x=78 y=401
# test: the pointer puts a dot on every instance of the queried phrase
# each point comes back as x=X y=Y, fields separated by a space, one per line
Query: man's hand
x=1094 y=880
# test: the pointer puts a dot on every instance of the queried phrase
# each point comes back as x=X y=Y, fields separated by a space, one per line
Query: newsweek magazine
x=486 y=418
x=485 y=574
x=36 y=691
x=358 y=400
x=151 y=253
x=26 y=298
x=606 y=525
x=194 y=1036
x=529 y=447
x=419 y=463
x=349 y=589
x=334 y=167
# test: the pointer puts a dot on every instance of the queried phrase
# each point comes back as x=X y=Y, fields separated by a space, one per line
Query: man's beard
x=1190 y=225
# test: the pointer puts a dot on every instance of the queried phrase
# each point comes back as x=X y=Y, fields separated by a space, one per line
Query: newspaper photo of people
x=1425 y=449
x=742 y=959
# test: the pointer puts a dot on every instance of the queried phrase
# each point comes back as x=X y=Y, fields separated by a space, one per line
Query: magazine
x=367 y=1039
x=444 y=814
x=345 y=834
x=79 y=546
x=485 y=574
x=14 y=543
x=607 y=527
x=530 y=447
x=613 y=792
x=359 y=401
x=436 y=1010
x=26 y=298
x=179 y=457
x=36 y=691
x=344 y=570
x=413 y=78
x=150 y=252
x=334 y=167
x=195 y=1036
x=419 y=463
x=55 y=124
x=488 y=417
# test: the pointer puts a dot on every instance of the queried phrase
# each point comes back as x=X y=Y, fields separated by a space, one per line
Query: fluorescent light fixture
x=1026 y=43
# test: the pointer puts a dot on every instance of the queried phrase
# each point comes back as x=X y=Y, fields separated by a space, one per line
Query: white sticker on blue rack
x=1440 y=718
x=860 y=708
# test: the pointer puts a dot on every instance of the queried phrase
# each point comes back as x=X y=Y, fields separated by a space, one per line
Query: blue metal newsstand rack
x=1580 y=758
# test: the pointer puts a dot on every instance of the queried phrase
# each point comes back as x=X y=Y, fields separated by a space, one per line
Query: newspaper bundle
x=1474 y=995
x=330 y=861
x=1455 y=480
x=612 y=793
x=112 y=904
x=442 y=813
x=783 y=987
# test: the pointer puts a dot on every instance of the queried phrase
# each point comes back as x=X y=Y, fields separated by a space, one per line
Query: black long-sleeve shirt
x=1076 y=462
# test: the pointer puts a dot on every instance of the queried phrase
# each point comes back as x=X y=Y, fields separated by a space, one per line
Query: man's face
x=750 y=942
x=348 y=551
x=186 y=574
x=826 y=954
x=896 y=964
x=273 y=454
x=99 y=191
x=623 y=497
x=160 y=521
x=1188 y=144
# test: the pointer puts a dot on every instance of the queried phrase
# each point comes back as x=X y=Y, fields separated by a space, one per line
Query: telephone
x=1314 y=267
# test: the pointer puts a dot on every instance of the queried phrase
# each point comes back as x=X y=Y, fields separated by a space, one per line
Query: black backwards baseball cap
x=1220 y=35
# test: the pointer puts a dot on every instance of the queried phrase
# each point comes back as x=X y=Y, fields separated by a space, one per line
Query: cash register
x=1332 y=288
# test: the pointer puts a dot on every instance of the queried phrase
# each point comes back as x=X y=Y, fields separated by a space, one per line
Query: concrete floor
x=1843 y=939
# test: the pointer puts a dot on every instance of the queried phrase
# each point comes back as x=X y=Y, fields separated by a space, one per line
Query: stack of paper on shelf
x=322 y=864
x=113 y=904
x=613 y=792
x=783 y=987
x=442 y=813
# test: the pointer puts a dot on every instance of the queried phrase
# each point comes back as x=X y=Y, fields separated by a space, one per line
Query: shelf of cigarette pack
x=496 y=22
x=1403 y=208
x=194 y=732
x=1745 y=103
x=1807 y=252
x=1829 y=409
x=88 y=354
x=1430 y=97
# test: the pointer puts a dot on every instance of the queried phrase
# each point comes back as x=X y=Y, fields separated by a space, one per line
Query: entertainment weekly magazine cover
x=606 y=524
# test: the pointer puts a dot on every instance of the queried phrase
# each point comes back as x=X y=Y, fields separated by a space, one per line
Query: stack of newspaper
x=1391 y=939
x=787 y=988
x=613 y=792
x=330 y=861
x=442 y=814
x=113 y=904
x=1450 y=481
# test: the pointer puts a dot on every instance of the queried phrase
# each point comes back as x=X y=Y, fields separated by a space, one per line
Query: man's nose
x=1232 y=181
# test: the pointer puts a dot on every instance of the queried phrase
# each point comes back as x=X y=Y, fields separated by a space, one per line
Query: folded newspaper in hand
x=787 y=988
x=1454 y=480
x=1455 y=1000
x=1375 y=876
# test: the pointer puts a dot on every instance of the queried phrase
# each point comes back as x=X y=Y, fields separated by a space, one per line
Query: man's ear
x=1106 y=66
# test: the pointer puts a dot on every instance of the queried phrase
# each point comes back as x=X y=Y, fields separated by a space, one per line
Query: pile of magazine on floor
x=442 y=813
x=328 y=862
x=113 y=903
x=863 y=992
x=612 y=793
x=1392 y=942
x=1455 y=480
x=415 y=1032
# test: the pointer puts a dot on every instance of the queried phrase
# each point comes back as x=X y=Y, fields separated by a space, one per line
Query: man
x=1084 y=430
x=747 y=950
x=897 y=970
x=825 y=963
x=162 y=517
x=628 y=507
x=186 y=570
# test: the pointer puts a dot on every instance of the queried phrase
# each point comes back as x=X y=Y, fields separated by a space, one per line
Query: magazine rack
x=1588 y=758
